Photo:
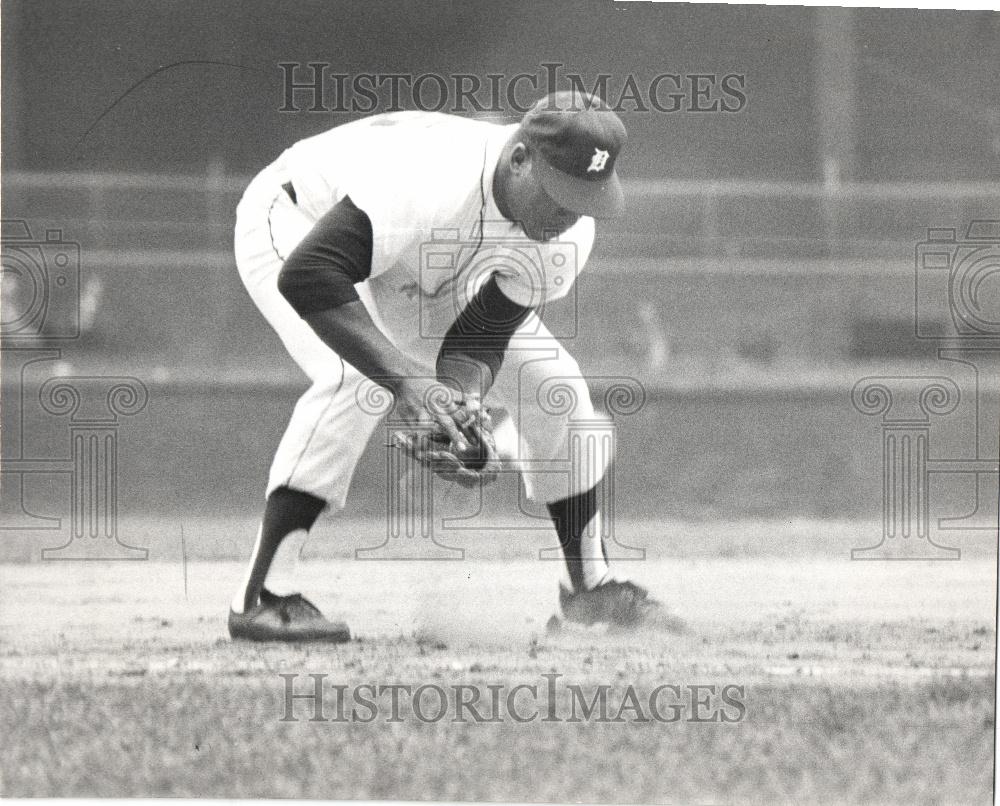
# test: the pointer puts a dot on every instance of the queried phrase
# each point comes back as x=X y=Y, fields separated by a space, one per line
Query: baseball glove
x=470 y=462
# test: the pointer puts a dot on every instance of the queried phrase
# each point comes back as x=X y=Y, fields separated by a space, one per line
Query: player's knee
x=568 y=370
x=565 y=392
x=565 y=366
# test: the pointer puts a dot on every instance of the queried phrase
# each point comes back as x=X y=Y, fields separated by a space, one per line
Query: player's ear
x=520 y=158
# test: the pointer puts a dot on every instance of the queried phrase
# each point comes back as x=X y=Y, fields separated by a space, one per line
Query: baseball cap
x=576 y=139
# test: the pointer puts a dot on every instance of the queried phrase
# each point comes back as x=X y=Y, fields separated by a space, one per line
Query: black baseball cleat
x=619 y=605
x=286 y=618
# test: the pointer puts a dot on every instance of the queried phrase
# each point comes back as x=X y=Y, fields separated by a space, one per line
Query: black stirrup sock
x=571 y=516
x=286 y=511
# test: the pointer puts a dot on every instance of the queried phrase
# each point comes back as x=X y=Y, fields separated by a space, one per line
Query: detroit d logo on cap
x=597 y=161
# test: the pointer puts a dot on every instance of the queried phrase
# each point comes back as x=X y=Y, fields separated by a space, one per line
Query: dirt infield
x=870 y=681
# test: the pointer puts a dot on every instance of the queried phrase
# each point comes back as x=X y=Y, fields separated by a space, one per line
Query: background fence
x=736 y=276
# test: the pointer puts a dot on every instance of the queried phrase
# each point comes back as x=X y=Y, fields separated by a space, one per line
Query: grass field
x=862 y=682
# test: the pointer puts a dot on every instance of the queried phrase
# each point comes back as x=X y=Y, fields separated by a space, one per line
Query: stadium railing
x=158 y=270
x=131 y=212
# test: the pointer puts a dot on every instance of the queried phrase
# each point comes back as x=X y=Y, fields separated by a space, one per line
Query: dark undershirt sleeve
x=476 y=342
x=322 y=270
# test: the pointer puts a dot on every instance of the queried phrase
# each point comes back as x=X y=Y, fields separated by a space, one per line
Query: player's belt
x=290 y=190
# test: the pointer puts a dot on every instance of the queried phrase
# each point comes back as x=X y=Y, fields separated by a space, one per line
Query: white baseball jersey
x=425 y=181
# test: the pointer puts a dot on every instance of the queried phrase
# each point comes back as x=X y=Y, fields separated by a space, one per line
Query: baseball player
x=330 y=240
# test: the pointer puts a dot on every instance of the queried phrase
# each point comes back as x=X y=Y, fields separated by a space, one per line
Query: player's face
x=541 y=217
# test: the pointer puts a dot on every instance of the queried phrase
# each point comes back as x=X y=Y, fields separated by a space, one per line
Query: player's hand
x=459 y=445
x=423 y=402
